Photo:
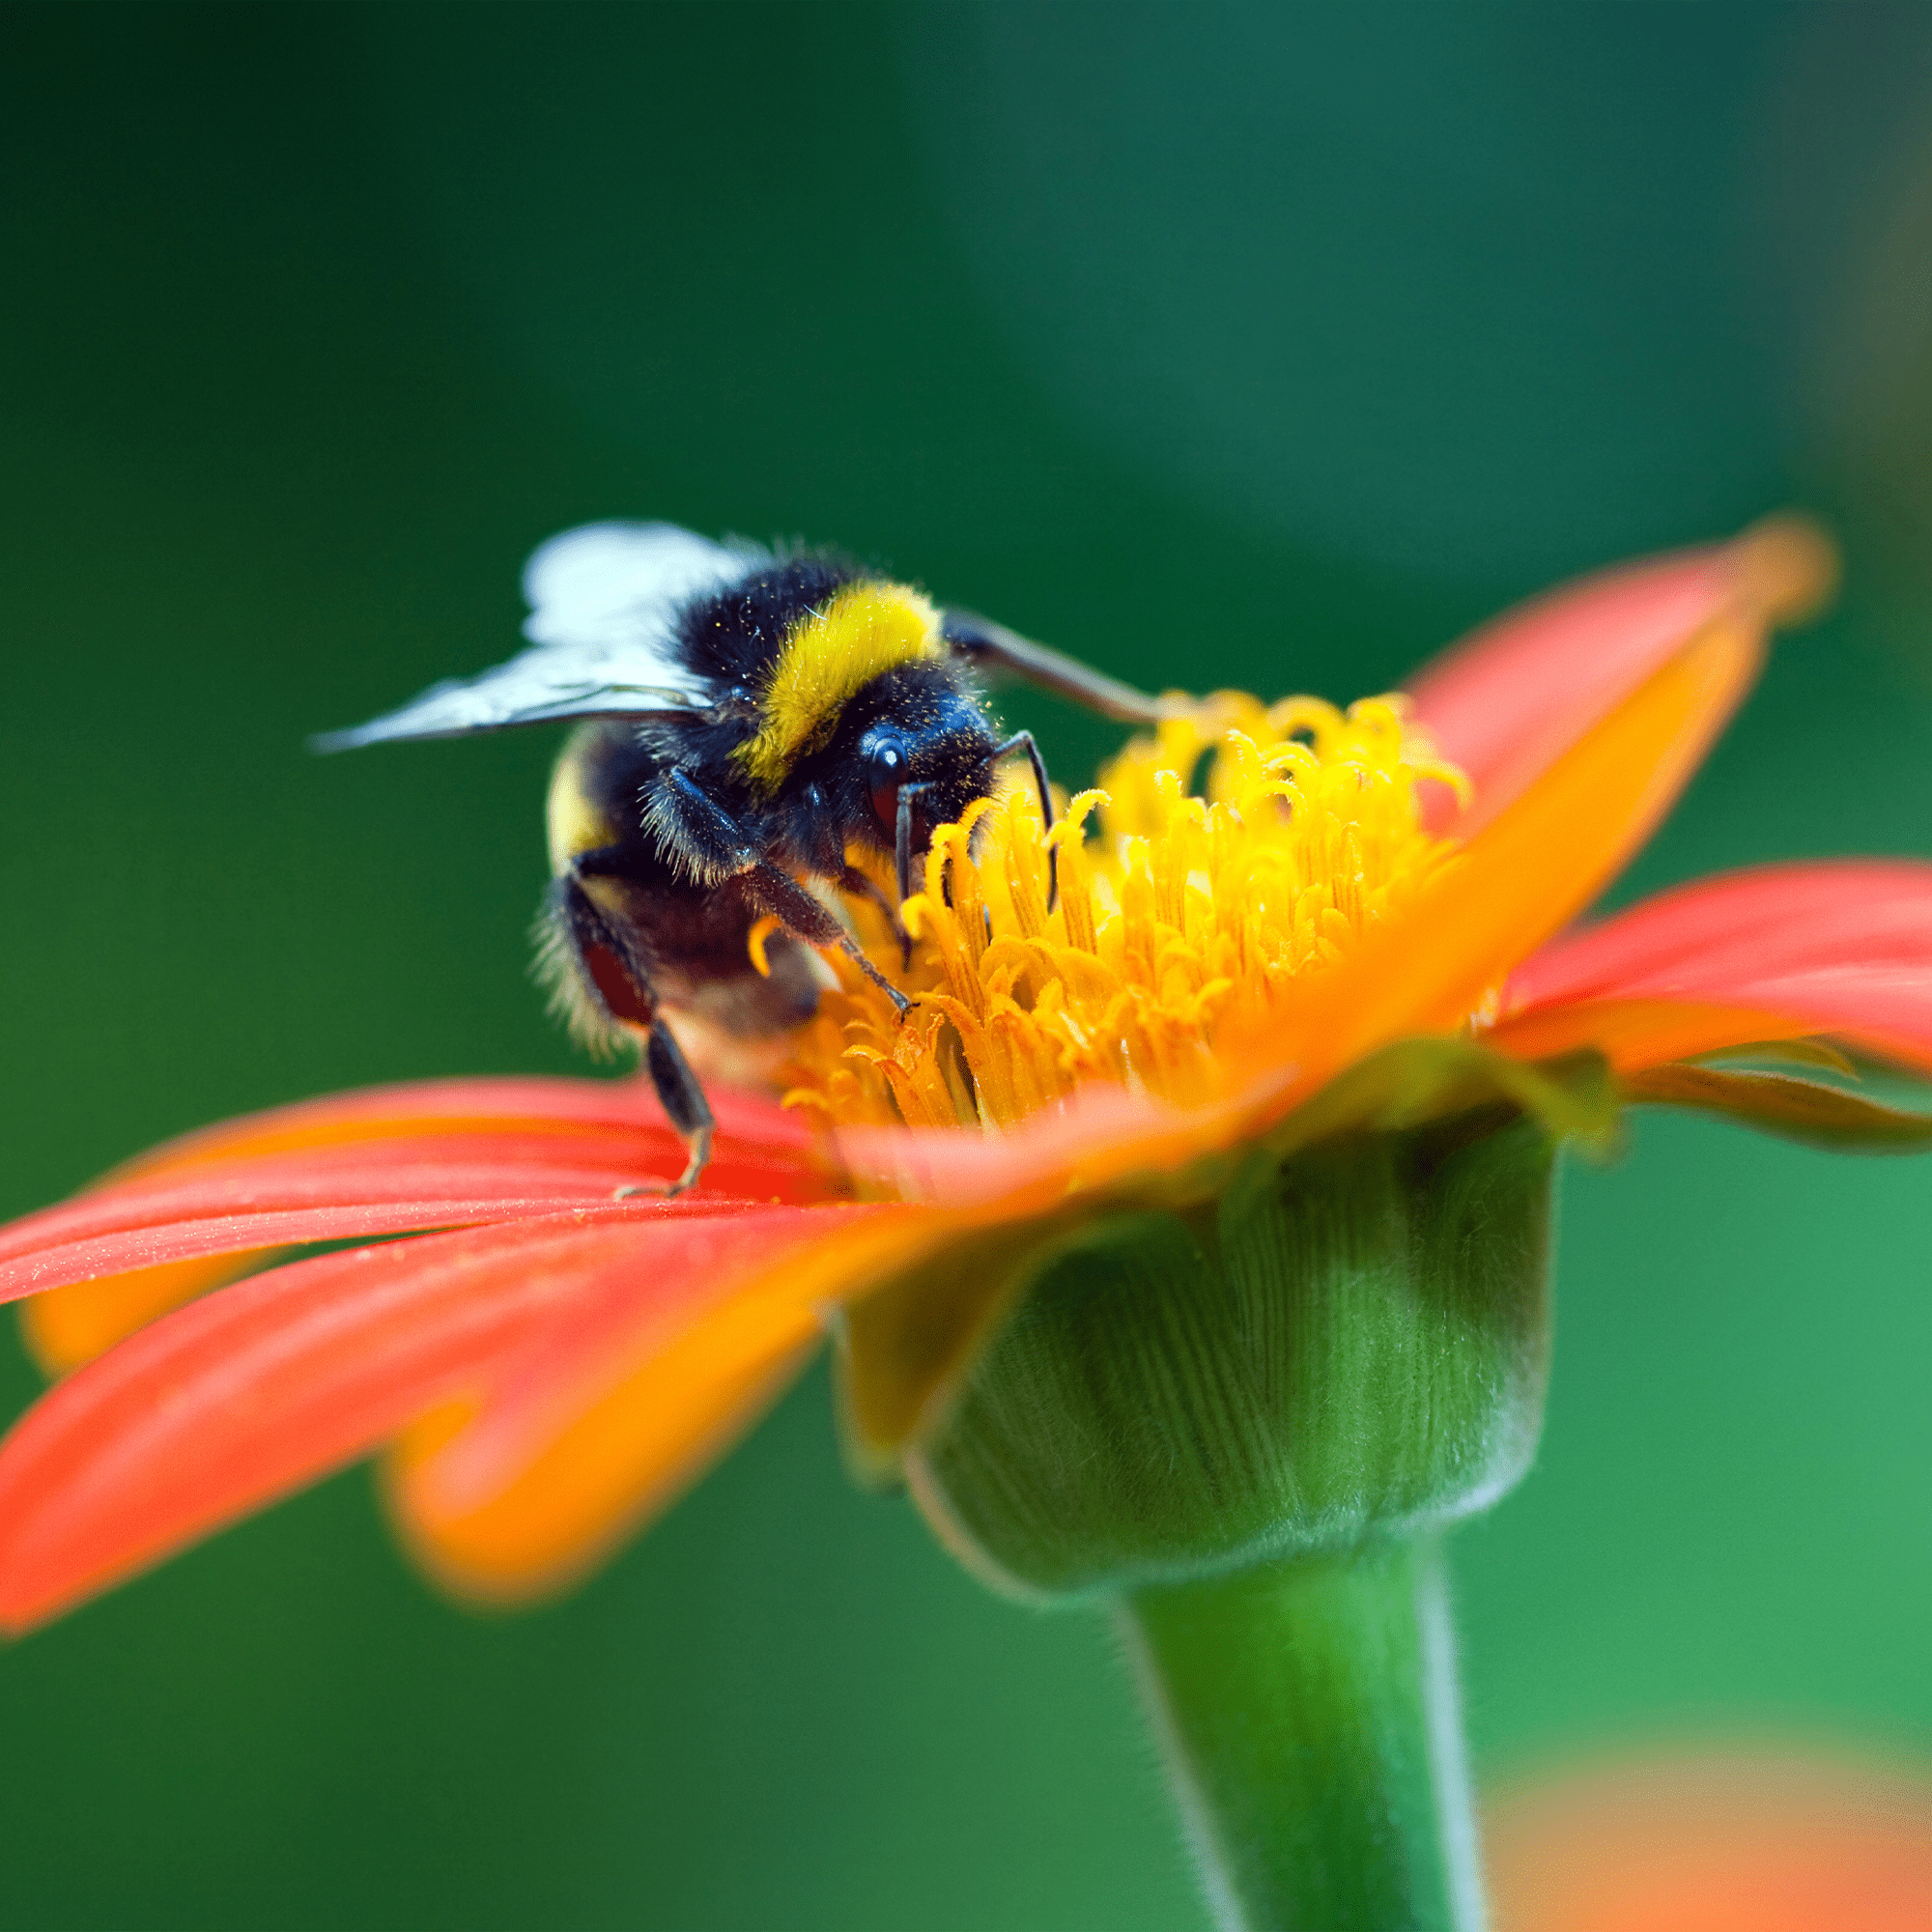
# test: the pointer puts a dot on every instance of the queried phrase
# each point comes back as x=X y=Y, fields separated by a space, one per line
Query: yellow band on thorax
x=867 y=630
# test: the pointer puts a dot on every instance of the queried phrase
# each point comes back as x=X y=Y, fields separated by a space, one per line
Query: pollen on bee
x=1186 y=922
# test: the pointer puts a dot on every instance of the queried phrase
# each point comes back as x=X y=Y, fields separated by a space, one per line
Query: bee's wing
x=993 y=648
x=604 y=602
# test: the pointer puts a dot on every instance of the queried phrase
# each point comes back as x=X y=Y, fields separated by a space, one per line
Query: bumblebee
x=744 y=717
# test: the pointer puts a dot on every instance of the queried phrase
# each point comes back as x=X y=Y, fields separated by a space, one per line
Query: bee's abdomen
x=592 y=792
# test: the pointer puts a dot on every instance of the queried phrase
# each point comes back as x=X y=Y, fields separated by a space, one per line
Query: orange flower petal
x=1718 y=1845
x=615 y=1472
x=1632 y=1035
x=1508 y=702
x=752 y=1127
x=1841 y=947
x=66 y=1326
x=605 y=1421
x=281 y=1204
x=1540 y=861
x=387 y=1161
x=256 y=1389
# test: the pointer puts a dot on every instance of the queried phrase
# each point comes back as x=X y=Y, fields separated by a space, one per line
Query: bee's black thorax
x=735 y=636
x=733 y=640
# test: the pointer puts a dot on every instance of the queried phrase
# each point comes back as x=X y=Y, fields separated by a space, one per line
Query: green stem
x=1312 y=1731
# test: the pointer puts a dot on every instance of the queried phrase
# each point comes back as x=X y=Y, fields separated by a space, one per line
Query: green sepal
x=1805 y=1110
x=909 y=1340
x=1809 y=1051
x=1415 y=1081
x=903 y=1350
x=1351 y=1341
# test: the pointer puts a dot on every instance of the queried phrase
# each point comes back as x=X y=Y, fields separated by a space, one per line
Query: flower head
x=1271 y=926
x=1716 y=1842
x=1157 y=958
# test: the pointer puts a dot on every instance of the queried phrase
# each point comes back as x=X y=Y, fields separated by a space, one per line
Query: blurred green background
x=1223 y=344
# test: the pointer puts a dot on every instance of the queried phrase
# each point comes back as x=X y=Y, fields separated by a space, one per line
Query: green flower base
x=1246 y=1427
x=1354 y=1342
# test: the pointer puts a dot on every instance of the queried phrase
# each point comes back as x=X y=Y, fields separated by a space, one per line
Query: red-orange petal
x=110 y=1233
x=199 y=1210
x=751 y=1127
x=1721 y=1844
x=1843 y=948
x=256 y=1389
x=65 y=1326
x=1632 y=1035
x=598 y=1423
x=1534 y=866
x=345 y=1166
x=1507 y=702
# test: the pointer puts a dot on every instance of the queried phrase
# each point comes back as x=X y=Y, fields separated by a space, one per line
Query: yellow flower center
x=1191 y=926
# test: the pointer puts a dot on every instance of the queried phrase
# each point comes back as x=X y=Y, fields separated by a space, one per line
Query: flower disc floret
x=1195 y=921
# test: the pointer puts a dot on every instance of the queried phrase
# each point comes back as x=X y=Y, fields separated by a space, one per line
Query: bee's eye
x=885 y=772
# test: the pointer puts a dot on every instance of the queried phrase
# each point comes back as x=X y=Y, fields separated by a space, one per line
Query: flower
x=1717 y=1841
x=1357 y=925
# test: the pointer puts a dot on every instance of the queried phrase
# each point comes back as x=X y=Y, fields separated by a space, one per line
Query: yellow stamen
x=1191 y=926
x=755 y=943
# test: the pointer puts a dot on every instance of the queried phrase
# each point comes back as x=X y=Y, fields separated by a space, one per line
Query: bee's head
x=917 y=730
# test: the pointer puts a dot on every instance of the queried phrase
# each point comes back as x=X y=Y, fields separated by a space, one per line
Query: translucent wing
x=604 y=601
x=611 y=584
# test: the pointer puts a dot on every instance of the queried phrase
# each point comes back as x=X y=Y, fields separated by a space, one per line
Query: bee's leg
x=1023 y=741
x=902 y=841
x=852 y=880
x=623 y=989
x=707 y=833
x=828 y=862
x=683 y=1100
x=799 y=913
x=696 y=832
